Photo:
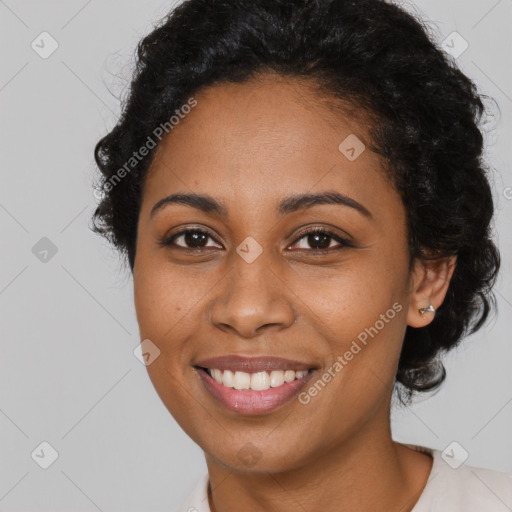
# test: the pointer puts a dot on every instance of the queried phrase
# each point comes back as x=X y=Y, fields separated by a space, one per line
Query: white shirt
x=464 y=489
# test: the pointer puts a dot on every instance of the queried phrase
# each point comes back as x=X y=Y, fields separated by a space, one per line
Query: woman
x=298 y=188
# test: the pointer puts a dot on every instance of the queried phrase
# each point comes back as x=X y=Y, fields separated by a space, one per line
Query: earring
x=429 y=309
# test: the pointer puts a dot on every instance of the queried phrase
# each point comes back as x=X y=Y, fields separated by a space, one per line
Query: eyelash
x=170 y=241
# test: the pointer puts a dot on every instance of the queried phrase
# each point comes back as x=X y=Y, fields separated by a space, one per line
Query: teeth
x=256 y=381
x=227 y=378
x=276 y=378
x=242 y=380
x=289 y=375
x=217 y=375
x=260 y=381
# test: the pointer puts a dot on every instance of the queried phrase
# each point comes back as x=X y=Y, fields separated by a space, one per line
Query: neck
x=366 y=472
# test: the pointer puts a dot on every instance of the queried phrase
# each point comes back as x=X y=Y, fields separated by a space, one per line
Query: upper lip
x=252 y=364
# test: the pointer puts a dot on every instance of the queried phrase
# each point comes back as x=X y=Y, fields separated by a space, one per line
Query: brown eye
x=189 y=239
x=320 y=239
x=316 y=240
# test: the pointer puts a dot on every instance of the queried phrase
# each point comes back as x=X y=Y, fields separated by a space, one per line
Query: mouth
x=253 y=386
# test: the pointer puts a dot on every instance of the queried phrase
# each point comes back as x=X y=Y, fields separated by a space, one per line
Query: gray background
x=68 y=373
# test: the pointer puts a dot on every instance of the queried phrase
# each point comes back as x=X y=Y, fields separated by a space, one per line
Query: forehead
x=271 y=111
x=263 y=139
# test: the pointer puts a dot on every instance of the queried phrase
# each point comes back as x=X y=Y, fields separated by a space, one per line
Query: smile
x=255 y=393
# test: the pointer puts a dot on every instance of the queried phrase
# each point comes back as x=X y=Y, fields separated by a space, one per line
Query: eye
x=320 y=239
x=188 y=239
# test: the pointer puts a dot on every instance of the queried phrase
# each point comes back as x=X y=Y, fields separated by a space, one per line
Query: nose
x=253 y=300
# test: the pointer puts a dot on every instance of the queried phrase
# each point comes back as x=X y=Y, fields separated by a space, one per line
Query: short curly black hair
x=370 y=54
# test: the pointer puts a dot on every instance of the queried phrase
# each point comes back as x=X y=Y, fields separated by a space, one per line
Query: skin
x=250 y=145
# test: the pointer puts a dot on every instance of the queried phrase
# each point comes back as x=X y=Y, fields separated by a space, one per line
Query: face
x=246 y=278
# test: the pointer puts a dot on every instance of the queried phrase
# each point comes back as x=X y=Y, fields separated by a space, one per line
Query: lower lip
x=250 y=402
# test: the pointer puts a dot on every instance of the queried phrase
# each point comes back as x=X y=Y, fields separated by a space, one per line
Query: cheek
x=360 y=310
x=161 y=307
x=164 y=306
x=164 y=299
x=352 y=297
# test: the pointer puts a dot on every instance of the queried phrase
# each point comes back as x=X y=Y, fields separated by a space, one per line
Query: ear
x=430 y=281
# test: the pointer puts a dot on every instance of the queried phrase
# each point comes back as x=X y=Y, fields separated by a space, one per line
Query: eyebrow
x=288 y=205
